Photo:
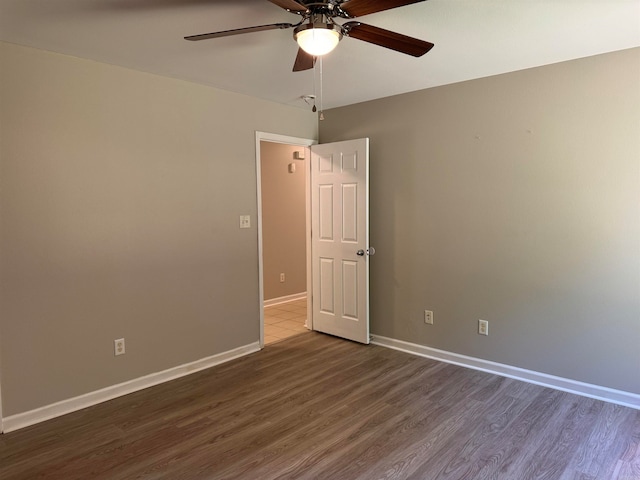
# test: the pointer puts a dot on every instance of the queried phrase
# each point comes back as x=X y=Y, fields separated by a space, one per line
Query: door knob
x=369 y=251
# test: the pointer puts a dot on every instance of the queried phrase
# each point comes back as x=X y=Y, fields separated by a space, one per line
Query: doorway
x=339 y=282
x=284 y=235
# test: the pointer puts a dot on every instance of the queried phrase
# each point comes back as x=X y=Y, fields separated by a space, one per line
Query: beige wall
x=514 y=199
x=283 y=220
x=120 y=199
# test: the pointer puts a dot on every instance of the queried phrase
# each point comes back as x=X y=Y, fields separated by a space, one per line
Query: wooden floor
x=315 y=407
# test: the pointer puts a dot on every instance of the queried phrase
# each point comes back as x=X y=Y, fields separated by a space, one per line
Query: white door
x=340 y=238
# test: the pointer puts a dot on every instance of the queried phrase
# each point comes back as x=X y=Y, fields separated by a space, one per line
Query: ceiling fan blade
x=238 y=31
x=290 y=5
x=386 y=38
x=357 y=8
x=304 y=61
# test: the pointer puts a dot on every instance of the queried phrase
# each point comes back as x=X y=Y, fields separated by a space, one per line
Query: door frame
x=299 y=142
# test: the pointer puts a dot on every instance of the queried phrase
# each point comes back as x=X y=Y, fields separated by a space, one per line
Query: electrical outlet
x=428 y=317
x=282 y=278
x=118 y=346
x=483 y=327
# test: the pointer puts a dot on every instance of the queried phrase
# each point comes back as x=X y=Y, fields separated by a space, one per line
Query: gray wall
x=121 y=193
x=515 y=199
x=284 y=227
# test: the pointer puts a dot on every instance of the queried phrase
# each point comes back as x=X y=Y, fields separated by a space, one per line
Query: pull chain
x=314 y=109
x=321 y=95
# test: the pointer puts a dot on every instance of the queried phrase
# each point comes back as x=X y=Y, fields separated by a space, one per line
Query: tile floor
x=284 y=320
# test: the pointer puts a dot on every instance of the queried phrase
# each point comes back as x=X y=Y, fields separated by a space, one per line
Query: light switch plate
x=245 y=221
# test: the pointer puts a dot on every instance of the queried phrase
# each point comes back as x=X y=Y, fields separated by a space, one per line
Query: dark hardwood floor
x=316 y=407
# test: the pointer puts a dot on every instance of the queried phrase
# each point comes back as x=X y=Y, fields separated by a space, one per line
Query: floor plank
x=316 y=407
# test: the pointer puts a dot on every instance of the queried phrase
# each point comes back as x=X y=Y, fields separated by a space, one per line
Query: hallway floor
x=284 y=320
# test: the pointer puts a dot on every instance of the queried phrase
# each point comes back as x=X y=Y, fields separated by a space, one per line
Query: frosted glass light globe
x=317 y=39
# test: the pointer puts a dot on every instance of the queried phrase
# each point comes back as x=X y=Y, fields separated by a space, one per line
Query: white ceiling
x=473 y=39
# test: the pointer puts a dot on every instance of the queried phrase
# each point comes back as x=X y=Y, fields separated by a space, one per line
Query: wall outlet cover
x=483 y=327
x=118 y=347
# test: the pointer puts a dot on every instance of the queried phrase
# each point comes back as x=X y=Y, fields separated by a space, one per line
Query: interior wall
x=284 y=227
x=513 y=199
x=120 y=200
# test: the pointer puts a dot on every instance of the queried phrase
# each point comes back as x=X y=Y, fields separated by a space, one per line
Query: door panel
x=350 y=289
x=326 y=212
x=339 y=229
x=350 y=213
x=327 y=304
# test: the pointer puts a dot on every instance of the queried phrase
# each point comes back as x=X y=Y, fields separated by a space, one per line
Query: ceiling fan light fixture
x=318 y=39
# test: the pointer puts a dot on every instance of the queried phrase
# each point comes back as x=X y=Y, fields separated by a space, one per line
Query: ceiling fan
x=317 y=33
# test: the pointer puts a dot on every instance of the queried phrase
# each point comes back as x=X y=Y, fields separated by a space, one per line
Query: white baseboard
x=21 y=420
x=618 y=397
x=287 y=298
